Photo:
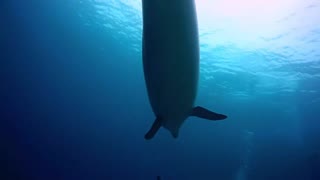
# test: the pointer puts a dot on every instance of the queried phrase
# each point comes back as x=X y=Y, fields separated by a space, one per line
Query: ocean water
x=74 y=103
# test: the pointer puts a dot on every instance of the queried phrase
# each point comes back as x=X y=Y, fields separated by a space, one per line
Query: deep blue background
x=74 y=106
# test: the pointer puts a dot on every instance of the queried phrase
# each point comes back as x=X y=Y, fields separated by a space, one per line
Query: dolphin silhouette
x=171 y=63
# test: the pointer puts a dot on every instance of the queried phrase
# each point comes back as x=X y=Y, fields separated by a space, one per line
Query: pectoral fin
x=154 y=129
x=206 y=114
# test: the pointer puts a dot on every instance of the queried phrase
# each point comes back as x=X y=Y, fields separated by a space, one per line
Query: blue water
x=74 y=102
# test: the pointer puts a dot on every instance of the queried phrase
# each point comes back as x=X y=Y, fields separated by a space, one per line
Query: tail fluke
x=154 y=129
x=206 y=114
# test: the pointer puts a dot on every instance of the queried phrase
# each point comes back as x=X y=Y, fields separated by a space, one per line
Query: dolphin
x=170 y=53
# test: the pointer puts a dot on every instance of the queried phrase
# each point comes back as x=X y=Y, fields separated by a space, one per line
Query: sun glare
x=244 y=21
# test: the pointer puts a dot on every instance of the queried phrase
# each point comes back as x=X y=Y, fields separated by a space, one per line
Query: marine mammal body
x=171 y=63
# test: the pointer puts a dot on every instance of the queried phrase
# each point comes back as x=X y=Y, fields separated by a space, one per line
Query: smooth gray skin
x=171 y=59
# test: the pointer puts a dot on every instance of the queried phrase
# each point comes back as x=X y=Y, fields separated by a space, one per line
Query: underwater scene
x=74 y=102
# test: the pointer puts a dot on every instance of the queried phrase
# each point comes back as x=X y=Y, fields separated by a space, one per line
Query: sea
x=74 y=105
